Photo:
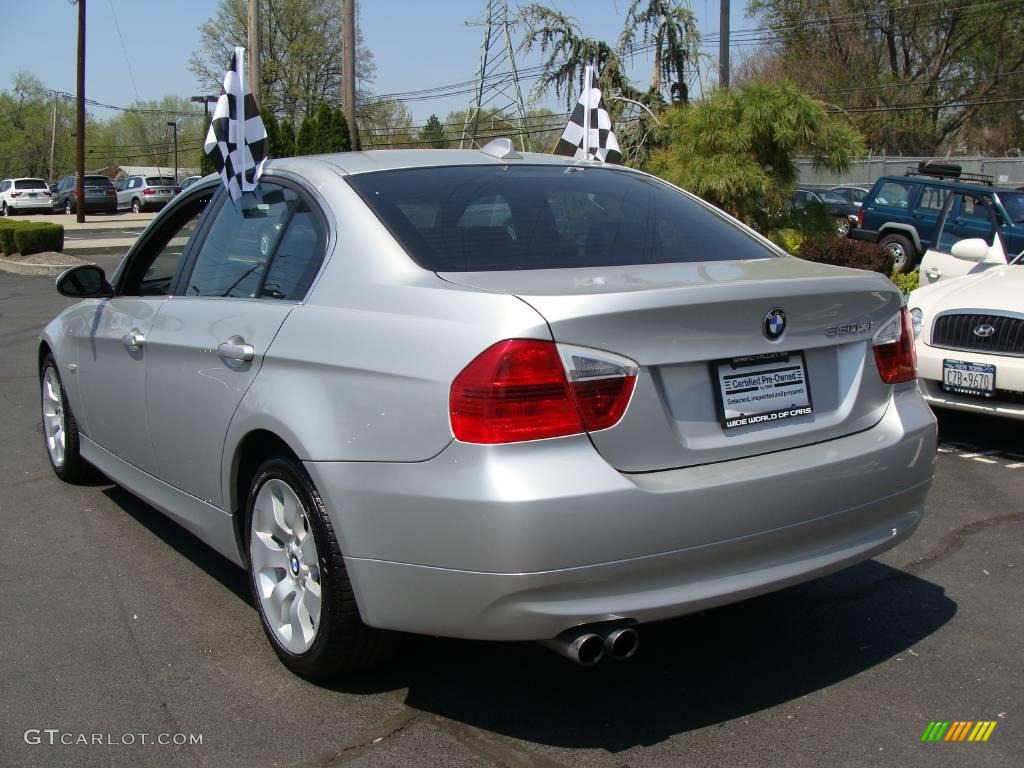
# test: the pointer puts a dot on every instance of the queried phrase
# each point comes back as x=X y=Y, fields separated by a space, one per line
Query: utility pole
x=723 y=44
x=80 y=120
x=254 y=51
x=53 y=137
x=174 y=125
x=348 y=65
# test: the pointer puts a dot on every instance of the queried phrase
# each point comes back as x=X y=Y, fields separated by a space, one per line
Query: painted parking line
x=1005 y=459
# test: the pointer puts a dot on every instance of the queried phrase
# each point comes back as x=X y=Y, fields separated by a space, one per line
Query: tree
x=300 y=55
x=387 y=124
x=324 y=129
x=340 y=139
x=286 y=139
x=671 y=29
x=306 y=142
x=911 y=75
x=433 y=133
x=273 y=135
x=737 y=148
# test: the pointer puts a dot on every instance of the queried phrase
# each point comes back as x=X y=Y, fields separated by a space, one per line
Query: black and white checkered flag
x=237 y=139
x=589 y=133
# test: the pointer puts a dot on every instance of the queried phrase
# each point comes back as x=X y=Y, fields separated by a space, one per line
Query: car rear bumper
x=34 y=205
x=520 y=545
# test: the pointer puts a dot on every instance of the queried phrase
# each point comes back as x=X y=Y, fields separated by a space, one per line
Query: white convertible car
x=970 y=333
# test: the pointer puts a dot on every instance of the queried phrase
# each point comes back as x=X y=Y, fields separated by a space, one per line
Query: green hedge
x=845 y=252
x=27 y=237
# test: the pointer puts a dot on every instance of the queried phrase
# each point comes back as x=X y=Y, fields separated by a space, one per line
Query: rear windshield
x=491 y=218
x=159 y=181
x=97 y=181
x=30 y=184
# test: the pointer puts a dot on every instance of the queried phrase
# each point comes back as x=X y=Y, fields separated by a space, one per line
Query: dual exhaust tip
x=589 y=644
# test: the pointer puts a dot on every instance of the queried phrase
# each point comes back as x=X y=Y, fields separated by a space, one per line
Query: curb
x=36 y=270
x=98 y=250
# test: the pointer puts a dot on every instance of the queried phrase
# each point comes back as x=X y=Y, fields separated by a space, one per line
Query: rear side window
x=933 y=198
x=895 y=194
x=30 y=184
x=492 y=218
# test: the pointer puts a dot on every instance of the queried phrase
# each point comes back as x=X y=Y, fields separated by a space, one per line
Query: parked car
x=854 y=195
x=24 y=195
x=141 y=193
x=188 y=181
x=585 y=406
x=845 y=213
x=970 y=336
x=901 y=212
x=100 y=196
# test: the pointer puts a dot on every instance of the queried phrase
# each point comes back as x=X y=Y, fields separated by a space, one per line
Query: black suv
x=100 y=196
x=901 y=212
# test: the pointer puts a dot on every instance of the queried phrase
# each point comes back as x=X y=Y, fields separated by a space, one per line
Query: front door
x=965 y=216
x=113 y=351
x=210 y=340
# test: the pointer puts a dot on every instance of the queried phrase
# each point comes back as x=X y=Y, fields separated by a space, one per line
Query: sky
x=416 y=44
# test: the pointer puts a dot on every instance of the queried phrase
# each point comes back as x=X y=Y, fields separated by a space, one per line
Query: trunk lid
x=678 y=322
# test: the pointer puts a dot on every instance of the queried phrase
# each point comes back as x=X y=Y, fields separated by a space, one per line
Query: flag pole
x=588 y=80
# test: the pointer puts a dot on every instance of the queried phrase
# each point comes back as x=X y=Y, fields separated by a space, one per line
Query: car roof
x=402 y=159
x=937 y=182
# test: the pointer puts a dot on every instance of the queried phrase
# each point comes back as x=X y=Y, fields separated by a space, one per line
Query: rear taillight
x=15 y=194
x=149 y=191
x=111 y=193
x=527 y=389
x=894 y=349
x=860 y=218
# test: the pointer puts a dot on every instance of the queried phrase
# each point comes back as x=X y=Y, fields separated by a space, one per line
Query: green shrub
x=7 y=228
x=906 y=283
x=844 y=252
x=36 y=237
x=788 y=240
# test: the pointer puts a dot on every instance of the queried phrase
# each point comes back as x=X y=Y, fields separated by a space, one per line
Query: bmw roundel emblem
x=774 y=324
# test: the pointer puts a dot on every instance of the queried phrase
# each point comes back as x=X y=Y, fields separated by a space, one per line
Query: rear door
x=255 y=262
x=926 y=211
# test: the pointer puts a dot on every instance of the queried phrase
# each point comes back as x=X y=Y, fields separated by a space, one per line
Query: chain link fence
x=1005 y=171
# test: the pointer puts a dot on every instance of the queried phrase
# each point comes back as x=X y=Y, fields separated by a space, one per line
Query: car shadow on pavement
x=691 y=672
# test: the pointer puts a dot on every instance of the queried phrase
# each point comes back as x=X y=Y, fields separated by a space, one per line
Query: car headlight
x=916 y=320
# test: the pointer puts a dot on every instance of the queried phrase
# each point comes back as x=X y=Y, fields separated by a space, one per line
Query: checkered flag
x=237 y=145
x=589 y=132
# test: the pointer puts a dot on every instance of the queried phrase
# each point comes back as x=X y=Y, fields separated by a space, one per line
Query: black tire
x=343 y=643
x=902 y=251
x=68 y=210
x=73 y=468
x=136 y=205
x=3 y=210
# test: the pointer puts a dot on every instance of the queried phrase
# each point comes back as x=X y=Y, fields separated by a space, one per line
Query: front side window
x=153 y=268
x=488 y=218
x=1013 y=204
x=5 y=185
x=241 y=240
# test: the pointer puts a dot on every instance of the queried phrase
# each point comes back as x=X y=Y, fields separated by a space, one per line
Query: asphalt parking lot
x=117 y=622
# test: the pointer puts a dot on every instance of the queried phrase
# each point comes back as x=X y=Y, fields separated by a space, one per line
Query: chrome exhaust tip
x=621 y=644
x=578 y=645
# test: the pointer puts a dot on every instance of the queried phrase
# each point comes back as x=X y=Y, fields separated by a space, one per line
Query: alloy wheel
x=899 y=255
x=285 y=566
x=842 y=226
x=53 y=417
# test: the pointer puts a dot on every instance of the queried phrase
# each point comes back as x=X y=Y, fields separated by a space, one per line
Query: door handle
x=236 y=349
x=933 y=273
x=134 y=339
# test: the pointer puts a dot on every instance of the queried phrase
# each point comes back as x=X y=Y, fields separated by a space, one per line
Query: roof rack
x=941 y=170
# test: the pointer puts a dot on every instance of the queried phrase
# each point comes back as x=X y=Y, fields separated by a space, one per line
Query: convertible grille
x=957 y=332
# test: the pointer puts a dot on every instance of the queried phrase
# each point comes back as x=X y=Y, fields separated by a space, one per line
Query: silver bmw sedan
x=492 y=395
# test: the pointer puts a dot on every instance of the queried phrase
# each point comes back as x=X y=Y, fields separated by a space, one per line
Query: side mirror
x=972 y=249
x=84 y=282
